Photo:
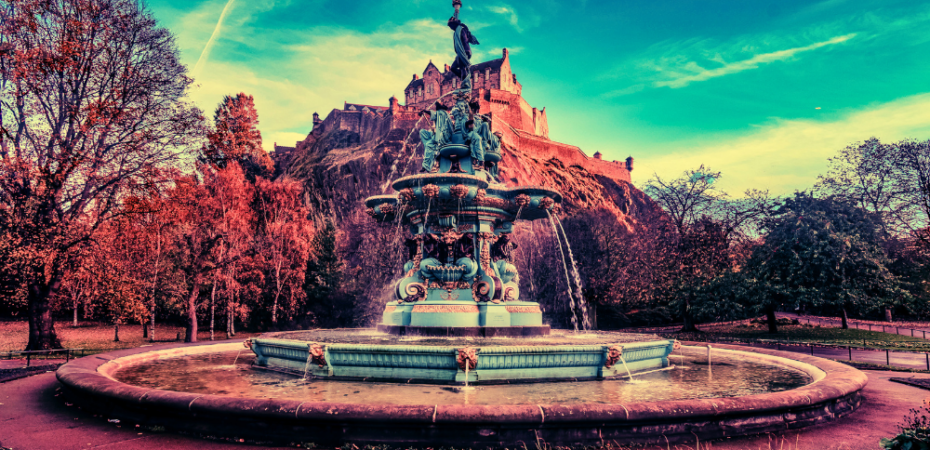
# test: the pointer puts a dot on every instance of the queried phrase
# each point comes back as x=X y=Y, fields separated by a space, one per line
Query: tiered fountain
x=460 y=281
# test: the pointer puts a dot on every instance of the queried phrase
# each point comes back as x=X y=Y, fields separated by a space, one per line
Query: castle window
x=487 y=75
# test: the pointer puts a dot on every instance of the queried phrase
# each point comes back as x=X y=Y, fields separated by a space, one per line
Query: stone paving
x=32 y=417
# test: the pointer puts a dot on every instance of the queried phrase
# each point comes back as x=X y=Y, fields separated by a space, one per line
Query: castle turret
x=597 y=155
x=629 y=164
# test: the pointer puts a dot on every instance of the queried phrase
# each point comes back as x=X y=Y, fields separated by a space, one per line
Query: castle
x=499 y=94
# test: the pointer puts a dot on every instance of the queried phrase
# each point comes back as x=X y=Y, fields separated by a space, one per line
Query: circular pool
x=211 y=390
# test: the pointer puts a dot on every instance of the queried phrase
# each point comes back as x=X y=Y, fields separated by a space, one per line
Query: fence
x=67 y=353
x=893 y=329
x=887 y=357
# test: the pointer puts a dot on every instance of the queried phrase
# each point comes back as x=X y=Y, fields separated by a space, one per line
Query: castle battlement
x=499 y=95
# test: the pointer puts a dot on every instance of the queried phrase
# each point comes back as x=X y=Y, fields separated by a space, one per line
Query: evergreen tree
x=323 y=277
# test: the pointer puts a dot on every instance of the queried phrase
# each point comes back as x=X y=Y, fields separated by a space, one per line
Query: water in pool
x=690 y=378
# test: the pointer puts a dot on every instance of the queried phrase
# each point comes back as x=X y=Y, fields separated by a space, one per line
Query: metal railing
x=58 y=353
x=898 y=358
x=852 y=323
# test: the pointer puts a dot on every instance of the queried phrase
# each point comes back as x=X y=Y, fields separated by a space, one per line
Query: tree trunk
x=42 y=334
x=845 y=320
x=888 y=315
x=212 y=308
x=152 y=333
x=116 y=332
x=771 y=319
x=75 y=324
x=145 y=329
x=686 y=318
x=191 y=335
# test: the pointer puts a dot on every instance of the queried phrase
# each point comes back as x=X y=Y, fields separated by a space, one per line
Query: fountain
x=459 y=280
x=457 y=318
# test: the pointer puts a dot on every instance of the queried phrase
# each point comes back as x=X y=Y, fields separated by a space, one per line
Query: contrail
x=216 y=32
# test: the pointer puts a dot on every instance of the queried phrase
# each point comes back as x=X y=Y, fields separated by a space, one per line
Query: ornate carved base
x=466 y=331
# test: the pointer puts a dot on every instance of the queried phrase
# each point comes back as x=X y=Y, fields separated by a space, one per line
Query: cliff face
x=342 y=167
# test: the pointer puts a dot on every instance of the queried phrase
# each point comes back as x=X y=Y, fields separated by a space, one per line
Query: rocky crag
x=357 y=150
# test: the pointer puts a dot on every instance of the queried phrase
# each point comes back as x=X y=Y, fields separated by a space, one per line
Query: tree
x=687 y=198
x=708 y=224
x=285 y=242
x=215 y=216
x=236 y=138
x=825 y=253
x=324 y=274
x=91 y=99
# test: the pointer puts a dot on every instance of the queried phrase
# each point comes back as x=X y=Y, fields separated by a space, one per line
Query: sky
x=762 y=91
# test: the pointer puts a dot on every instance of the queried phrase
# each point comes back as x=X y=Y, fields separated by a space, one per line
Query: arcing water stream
x=571 y=296
x=586 y=322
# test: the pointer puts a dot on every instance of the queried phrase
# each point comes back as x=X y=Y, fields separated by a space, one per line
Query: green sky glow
x=763 y=91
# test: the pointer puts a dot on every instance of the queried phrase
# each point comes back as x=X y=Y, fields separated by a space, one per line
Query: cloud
x=787 y=155
x=205 y=54
x=701 y=74
x=508 y=12
x=292 y=73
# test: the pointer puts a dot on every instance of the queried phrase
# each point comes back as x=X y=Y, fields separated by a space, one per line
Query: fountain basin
x=835 y=391
x=496 y=361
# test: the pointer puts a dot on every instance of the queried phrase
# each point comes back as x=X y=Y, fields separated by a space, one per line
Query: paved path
x=32 y=417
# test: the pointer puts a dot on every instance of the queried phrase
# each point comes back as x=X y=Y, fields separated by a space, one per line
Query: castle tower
x=629 y=164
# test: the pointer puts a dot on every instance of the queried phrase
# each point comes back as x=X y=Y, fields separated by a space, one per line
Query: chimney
x=514 y=78
x=506 y=53
x=415 y=77
x=629 y=164
x=316 y=118
x=446 y=68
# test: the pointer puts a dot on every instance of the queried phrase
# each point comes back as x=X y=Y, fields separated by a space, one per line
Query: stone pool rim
x=834 y=392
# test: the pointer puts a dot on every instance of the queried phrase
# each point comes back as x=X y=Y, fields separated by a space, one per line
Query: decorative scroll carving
x=676 y=346
x=459 y=191
x=449 y=296
x=415 y=292
x=449 y=236
x=248 y=343
x=468 y=357
x=482 y=193
x=418 y=258
x=522 y=200
x=431 y=190
x=480 y=290
x=486 y=240
x=613 y=355
x=508 y=294
x=421 y=308
x=317 y=354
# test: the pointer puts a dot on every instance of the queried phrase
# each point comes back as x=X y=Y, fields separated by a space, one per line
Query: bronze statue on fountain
x=460 y=277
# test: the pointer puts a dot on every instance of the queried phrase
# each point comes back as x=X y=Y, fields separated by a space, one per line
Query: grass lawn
x=96 y=336
x=809 y=333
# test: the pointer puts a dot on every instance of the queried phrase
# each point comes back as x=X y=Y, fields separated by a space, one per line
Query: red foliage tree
x=91 y=101
x=236 y=138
